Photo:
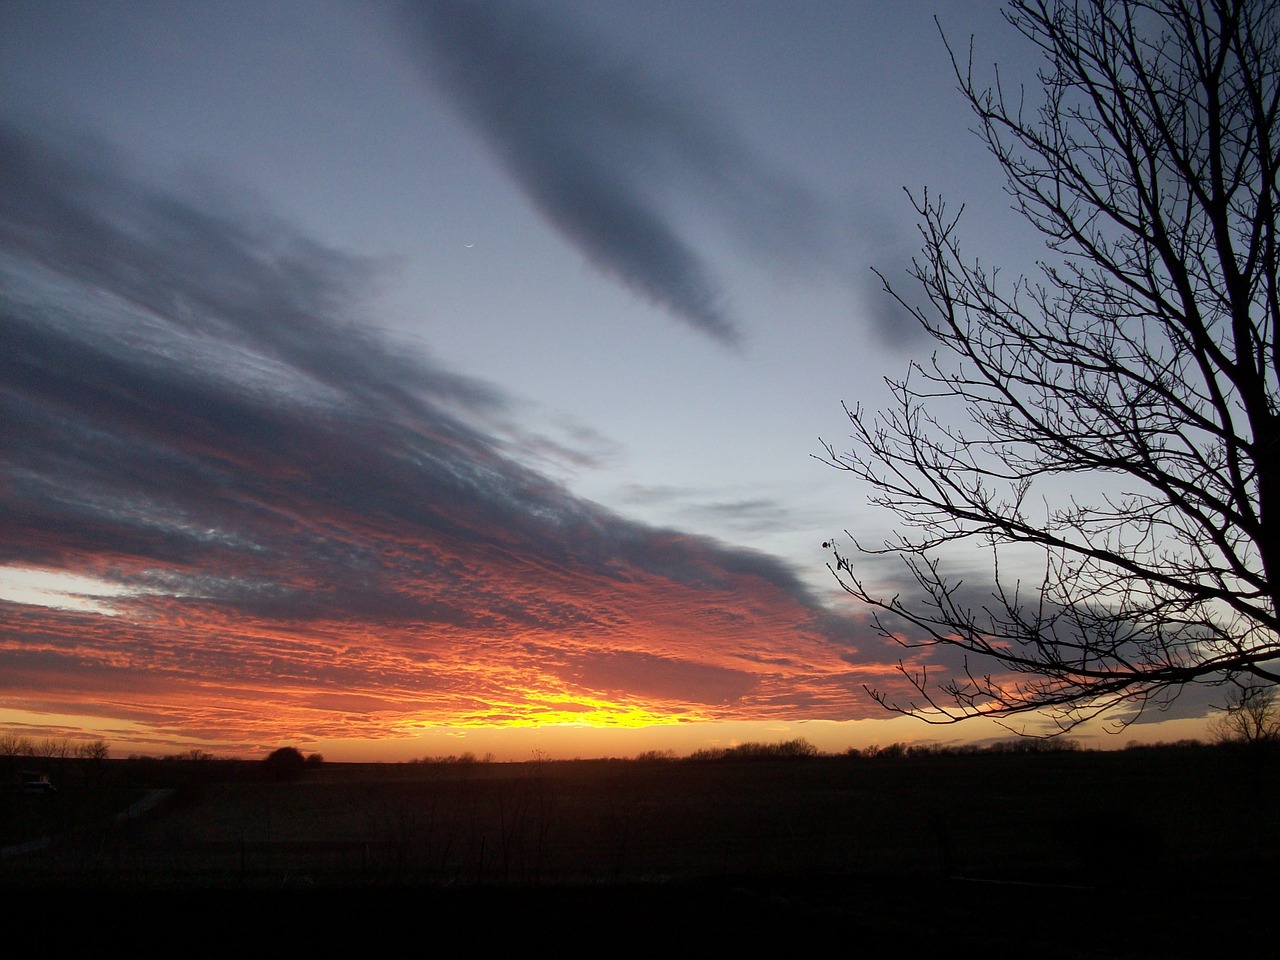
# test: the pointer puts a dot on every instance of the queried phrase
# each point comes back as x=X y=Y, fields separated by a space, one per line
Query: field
x=1167 y=852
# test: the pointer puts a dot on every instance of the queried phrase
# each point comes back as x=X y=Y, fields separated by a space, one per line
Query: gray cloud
x=234 y=275
x=607 y=153
x=889 y=247
x=754 y=515
x=190 y=391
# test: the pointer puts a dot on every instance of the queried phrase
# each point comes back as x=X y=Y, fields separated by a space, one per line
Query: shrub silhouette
x=286 y=763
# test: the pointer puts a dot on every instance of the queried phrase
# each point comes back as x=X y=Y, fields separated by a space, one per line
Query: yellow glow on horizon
x=563 y=711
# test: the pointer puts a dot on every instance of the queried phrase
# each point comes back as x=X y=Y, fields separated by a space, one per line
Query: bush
x=286 y=763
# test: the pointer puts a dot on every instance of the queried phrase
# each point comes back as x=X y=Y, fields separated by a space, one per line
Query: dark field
x=1137 y=853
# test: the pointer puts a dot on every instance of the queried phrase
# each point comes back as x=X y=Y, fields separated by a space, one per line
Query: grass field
x=1086 y=854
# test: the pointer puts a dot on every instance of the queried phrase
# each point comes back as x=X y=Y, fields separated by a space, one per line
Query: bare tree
x=95 y=750
x=1111 y=428
x=1252 y=716
x=12 y=745
x=53 y=748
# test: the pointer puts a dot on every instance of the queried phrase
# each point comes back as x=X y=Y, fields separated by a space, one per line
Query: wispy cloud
x=314 y=530
x=752 y=514
x=609 y=154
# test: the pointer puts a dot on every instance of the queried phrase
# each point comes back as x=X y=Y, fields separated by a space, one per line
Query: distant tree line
x=1254 y=719
x=51 y=748
x=1237 y=727
x=461 y=759
x=801 y=749
x=786 y=750
x=51 y=757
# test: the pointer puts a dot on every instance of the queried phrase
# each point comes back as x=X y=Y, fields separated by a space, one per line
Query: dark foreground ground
x=1135 y=854
x=876 y=916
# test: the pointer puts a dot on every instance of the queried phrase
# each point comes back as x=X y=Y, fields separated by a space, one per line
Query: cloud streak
x=608 y=154
x=317 y=535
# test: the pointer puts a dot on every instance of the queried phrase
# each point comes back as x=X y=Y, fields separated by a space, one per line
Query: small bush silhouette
x=286 y=763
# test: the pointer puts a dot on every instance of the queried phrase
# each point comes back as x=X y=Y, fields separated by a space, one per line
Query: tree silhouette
x=1251 y=716
x=1110 y=430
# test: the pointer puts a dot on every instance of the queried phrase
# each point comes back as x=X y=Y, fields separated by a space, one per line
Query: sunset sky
x=404 y=380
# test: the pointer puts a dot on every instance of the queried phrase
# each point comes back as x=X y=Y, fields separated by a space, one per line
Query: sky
x=402 y=380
